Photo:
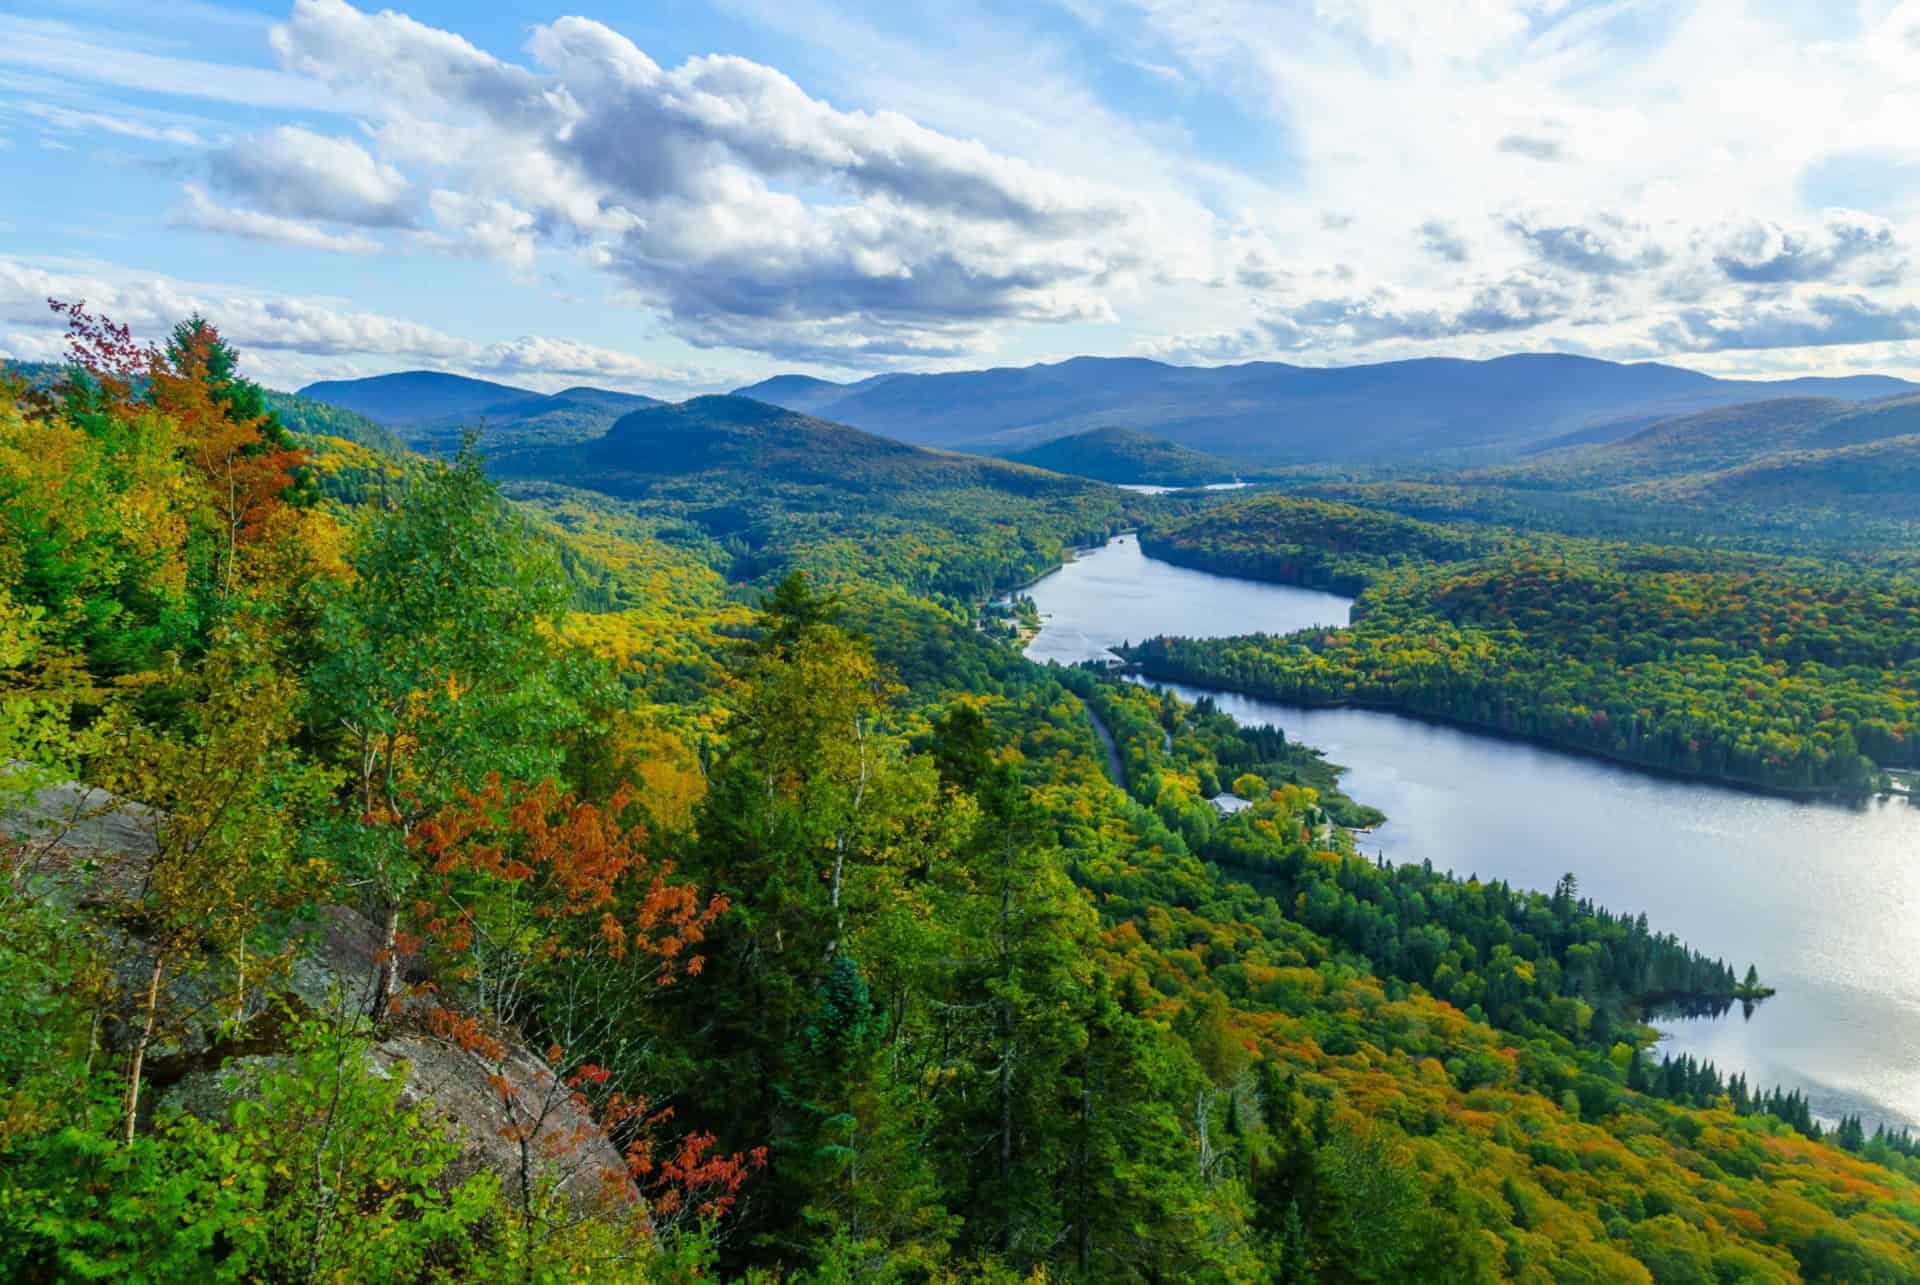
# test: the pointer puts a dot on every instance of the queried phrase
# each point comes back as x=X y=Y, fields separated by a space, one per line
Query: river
x=1822 y=897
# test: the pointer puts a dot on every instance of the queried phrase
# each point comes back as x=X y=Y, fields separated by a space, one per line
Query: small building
x=1228 y=804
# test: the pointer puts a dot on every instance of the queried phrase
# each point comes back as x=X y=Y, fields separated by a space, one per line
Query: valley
x=1738 y=875
x=806 y=704
x=731 y=643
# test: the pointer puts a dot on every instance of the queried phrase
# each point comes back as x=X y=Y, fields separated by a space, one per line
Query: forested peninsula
x=1745 y=668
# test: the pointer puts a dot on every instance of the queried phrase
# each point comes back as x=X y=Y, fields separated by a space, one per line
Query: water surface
x=1822 y=897
x=1116 y=594
x=1149 y=488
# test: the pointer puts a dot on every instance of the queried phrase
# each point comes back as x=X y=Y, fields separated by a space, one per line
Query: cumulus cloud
x=1531 y=146
x=488 y=228
x=906 y=204
x=1815 y=320
x=1382 y=316
x=1763 y=252
x=1694 y=216
x=684 y=183
x=298 y=174
x=1514 y=303
x=1604 y=247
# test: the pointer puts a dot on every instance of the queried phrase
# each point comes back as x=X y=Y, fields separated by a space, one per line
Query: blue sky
x=679 y=196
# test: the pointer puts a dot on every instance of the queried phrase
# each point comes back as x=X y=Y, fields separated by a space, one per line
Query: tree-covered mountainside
x=1124 y=457
x=1715 y=441
x=480 y=890
x=573 y=415
x=1269 y=412
x=1793 y=475
x=766 y=491
x=1877 y=482
x=310 y=418
x=1742 y=668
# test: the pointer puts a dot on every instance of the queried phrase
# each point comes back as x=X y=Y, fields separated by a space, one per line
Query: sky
x=678 y=196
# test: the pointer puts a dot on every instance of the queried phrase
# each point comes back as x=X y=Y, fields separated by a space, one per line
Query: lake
x=1822 y=897
x=1149 y=488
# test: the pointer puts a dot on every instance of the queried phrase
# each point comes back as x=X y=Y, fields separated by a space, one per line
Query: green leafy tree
x=441 y=668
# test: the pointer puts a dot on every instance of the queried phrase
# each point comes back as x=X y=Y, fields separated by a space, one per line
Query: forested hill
x=1124 y=456
x=1273 y=412
x=1878 y=480
x=1794 y=476
x=323 y=419
x=1716 y=440
x=755 y=439
x=766 y=491
x=434 y=412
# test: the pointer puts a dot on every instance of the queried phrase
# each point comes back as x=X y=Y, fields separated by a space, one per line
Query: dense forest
x=1126 y=457
x=763 y=491
x=668 y=880
x=1790 y=475
x=1752 y=669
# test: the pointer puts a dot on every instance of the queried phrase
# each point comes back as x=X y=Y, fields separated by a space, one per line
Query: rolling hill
x=1879 y=480
x=1714 y=441
x=763 y=490
x=1270 y=411
x=322 y=419
x=1799 y=475
x=1124 y=456
x=657 y=445
x=432 y=411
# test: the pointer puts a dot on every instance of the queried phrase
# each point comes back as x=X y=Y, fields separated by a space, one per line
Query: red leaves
x=690 y=1178
x=463 y=1031
x=562 y=858
x=108 y=354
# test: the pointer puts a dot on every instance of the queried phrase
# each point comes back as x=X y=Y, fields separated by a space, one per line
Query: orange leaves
x=691 y=1178
x=464 y=1031
x=544 y=857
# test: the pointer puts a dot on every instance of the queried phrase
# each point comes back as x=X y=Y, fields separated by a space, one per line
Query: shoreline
x=1810 y=794
x=1073 y=554
x=1798 y=795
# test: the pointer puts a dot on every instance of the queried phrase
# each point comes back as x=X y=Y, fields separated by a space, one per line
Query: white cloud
x=488 y=228
x=1645 y=163
x=687 y=185
x=288 y=341
x=204 y=213
x=299 y=174
x=71 y=53
x=1358 y=179
x=126 y=126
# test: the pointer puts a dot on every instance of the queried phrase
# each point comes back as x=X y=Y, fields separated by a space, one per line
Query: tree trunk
x=140 y=1045
x=388 y=958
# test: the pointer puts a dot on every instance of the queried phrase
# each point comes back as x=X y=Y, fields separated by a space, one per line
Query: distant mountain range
x=1125 y=456
x=1276 y=413
x=431 y=410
